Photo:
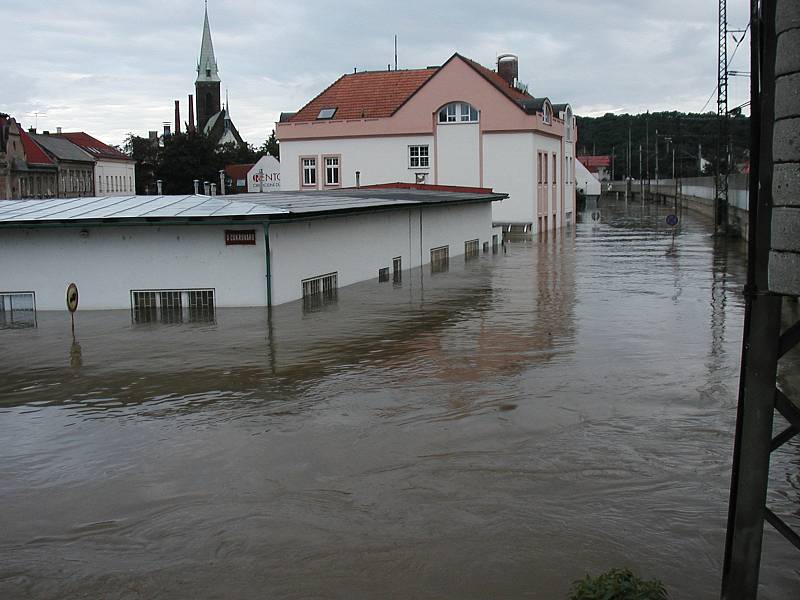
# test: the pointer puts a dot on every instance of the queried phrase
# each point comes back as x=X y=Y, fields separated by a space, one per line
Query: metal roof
x=261 y=206
x=61 y=148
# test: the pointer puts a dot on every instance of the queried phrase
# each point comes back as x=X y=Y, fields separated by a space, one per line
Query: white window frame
x=422 y=161
x=332 y=170
x=458 y=112
x=308 y=165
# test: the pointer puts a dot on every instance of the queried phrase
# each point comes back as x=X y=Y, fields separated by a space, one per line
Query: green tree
x=145 y=152
x=184 y=158
x=271 y=146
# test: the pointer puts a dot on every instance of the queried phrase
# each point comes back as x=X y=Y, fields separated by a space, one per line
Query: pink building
x=458 y=124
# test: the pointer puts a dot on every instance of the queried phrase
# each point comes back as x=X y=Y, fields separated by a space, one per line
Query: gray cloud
x=109 y=68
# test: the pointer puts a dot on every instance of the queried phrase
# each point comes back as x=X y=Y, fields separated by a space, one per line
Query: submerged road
x=494 y=431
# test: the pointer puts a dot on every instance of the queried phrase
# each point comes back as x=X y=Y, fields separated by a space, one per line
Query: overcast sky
x=109 y=68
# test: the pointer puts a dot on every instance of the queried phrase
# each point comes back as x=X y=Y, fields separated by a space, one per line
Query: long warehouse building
x=157 y=252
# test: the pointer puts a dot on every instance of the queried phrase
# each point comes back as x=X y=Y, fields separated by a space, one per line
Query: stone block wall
x=784 y=260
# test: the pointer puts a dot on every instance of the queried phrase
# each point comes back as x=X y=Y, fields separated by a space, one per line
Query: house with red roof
x=459 y=124
x=26 y=171
x=114 y=172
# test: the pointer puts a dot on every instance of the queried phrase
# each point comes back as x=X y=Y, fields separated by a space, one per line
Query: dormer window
x=326 y=113
x=208 y=72
x=458 y=112
x=547 y=114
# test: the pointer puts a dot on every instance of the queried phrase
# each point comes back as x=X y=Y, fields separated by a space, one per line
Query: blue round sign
x=672 y=220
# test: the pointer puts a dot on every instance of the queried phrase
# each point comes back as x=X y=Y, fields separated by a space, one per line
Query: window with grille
x=319 y=290
x=440 y=259
x=309 y=171
x=383 y=274
x=172 y=306
x=418 y=157
x=397 y=269
x=471 y=249
x=331 y=170
x=17 y=309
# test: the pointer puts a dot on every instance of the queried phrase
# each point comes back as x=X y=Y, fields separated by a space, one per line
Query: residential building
x=26 y=171
x=598 y=165
x=75 y=167
x=158 y=254
x=114 y=172
x=236 y=178
x=457 y=124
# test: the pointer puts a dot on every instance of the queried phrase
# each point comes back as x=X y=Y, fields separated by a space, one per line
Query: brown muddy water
x=495 y=431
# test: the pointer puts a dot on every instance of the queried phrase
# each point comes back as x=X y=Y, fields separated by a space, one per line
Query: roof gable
x=33 y=153
x=369 y=94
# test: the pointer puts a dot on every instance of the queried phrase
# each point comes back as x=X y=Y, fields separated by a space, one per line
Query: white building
x=114 y=172
x=460 y=124
x=265 y=175
x=586 y=182
x=153 y=253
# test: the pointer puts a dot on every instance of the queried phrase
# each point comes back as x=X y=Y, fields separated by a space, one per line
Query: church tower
x=207 y=84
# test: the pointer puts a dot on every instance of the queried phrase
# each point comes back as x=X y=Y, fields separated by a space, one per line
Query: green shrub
x=617 y=584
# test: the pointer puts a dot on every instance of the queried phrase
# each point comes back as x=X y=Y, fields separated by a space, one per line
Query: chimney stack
x=177 y=116
x=167 y=131
x=508 y=68
x=58 y=130
x=191 y=112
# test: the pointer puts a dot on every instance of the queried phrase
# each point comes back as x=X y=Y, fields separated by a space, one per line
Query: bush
x=617 y=584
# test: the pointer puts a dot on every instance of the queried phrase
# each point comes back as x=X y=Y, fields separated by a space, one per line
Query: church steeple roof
x=207 y=64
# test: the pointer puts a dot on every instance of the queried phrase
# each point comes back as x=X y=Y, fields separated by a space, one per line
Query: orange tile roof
x=369 y=94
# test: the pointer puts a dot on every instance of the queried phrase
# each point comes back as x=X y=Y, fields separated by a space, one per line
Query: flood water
x=494 y=431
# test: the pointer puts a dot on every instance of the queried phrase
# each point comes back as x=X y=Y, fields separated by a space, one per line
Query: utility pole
x=647 y=149
x=656 y=164
x=641 y=179
x=721 y=172
x=613 y=157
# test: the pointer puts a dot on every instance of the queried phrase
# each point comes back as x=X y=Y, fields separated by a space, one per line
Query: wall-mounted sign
x=265 y=175
x=240 y=237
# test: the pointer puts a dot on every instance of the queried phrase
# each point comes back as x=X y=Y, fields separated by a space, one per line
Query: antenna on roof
x=395 y=52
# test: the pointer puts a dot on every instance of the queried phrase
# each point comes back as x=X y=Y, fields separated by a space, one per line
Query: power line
x=730 y=60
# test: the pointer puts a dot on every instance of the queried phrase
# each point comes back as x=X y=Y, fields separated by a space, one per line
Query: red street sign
x=239 y=237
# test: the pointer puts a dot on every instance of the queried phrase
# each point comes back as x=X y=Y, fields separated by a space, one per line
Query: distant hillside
x=690 y=133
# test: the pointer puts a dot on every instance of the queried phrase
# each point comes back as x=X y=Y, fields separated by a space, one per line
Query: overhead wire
x=730 y=60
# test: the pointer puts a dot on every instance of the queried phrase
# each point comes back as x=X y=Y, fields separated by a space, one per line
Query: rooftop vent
x=326 y=113
x=508 y=68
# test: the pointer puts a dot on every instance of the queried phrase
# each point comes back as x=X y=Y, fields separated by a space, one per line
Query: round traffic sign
x=72 y=297
x=672 y=220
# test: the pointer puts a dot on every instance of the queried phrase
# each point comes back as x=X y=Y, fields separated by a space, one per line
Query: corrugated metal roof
x=277 y=205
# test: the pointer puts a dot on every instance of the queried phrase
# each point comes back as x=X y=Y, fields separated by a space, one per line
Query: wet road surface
x=495 y=431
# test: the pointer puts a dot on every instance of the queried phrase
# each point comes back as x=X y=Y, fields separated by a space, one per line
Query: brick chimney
x=177 y=116
x=191 y=112
x=508 y=68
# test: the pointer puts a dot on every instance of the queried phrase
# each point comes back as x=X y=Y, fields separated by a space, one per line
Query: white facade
x=265 y=176
x=110 y=261
x=585 y=181
x=114 y=178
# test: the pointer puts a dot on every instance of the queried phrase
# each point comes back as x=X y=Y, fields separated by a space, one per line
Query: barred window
x=172 y=306
x=319 y=290
x=17 y=309
x=440 y=259
x=471 y=249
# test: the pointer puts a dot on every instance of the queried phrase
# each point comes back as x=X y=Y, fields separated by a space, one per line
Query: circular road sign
x=72 y=297
x=672 y=220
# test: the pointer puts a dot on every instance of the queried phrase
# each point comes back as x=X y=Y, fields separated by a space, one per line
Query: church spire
x=207 y=65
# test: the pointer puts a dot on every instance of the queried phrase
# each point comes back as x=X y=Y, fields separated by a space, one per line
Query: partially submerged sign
x=72 y=297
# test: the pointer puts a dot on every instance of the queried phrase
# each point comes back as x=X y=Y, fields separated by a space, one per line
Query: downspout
x=268 y=261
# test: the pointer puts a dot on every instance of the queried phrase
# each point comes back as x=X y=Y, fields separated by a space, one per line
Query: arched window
x=547 y=113
x=458 y=112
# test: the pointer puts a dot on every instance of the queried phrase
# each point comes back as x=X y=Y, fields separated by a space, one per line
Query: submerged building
x=161 y=253
x=456 y=124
